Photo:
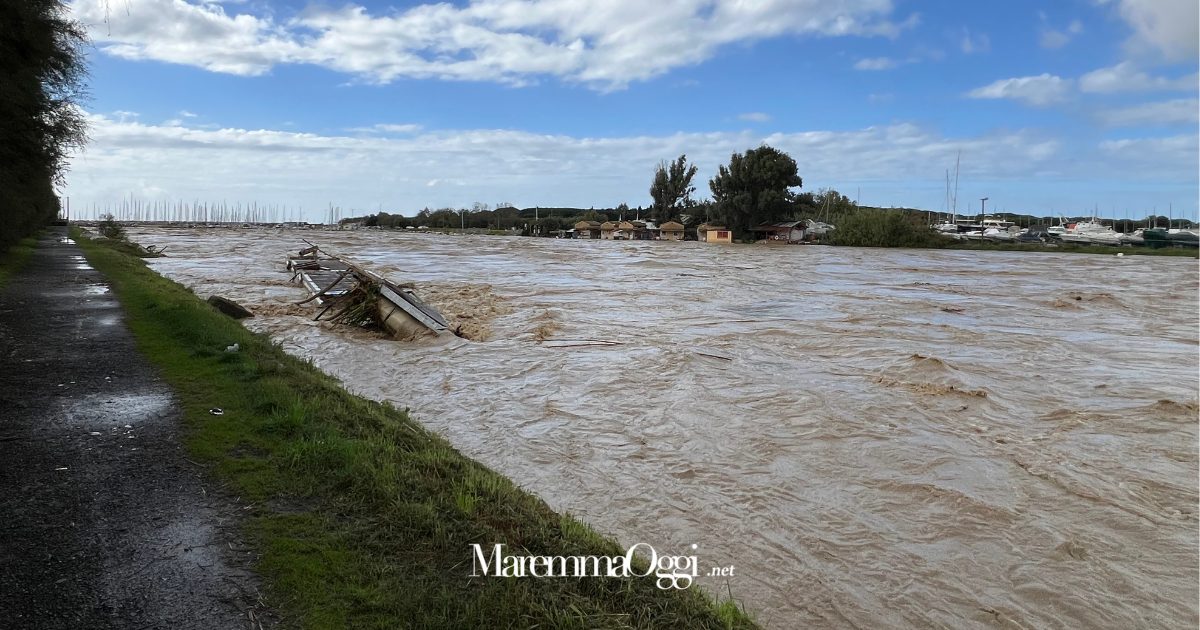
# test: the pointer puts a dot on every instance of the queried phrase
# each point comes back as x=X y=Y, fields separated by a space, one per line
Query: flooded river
x=872 y=438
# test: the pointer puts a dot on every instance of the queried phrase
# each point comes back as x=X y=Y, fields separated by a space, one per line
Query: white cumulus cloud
x=1166 y=28
x=602 y=43
x=1041 y=90
x=1183 y=111
x=1127 y=77
x=415 y=170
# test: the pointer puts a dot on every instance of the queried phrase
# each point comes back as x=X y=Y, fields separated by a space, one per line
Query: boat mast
x=957 y=161
x=946 y=193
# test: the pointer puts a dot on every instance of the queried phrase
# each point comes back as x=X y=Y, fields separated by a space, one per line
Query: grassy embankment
x=12 y=260
x=1111 y=250
x=362 y=517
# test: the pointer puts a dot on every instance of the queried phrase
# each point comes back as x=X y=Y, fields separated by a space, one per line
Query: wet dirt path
x=105 y=522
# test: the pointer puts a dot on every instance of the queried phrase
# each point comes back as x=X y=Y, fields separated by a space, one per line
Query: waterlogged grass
x=363 y=518
x=1076 y=249
x=12 y=260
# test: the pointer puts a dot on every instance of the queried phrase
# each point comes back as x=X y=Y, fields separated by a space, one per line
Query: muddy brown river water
x=872 y=438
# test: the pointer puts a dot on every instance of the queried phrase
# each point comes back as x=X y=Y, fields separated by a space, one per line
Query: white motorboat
x=1090 y=233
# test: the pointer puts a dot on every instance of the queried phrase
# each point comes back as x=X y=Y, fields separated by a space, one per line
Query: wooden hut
x=625 y=230
x=671 y=231
x=607 y=230
x=643 y=231
x=714 y=233
x=781 y=232
x=587 y=229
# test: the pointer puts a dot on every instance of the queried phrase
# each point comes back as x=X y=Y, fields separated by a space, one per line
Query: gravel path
x=106 y=524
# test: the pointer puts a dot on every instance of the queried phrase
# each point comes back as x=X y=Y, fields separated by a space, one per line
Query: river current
x=872 y=438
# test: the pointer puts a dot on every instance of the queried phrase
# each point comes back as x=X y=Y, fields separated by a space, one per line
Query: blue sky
x=1055 y=107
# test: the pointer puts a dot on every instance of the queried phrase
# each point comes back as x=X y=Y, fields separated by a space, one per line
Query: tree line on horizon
x=755 y=187
x=42 y=74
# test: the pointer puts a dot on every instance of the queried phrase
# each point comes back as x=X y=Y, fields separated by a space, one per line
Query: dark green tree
x=546 y=226
x=672 y=189
x=754 y=188
x=444 y=218
x=700 y=212
x=42 y=72
x=505 y=218
x=831 y=203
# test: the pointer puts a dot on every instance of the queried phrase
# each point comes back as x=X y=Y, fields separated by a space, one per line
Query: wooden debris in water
x=359 y=297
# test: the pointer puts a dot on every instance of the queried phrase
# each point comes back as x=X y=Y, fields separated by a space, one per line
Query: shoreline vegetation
x=752 y=196
x=13 y=259
x=363 y=518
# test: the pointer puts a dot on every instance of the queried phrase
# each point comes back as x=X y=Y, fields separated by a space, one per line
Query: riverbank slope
x=363 y=518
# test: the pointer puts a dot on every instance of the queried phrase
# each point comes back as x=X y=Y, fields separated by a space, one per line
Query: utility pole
x=982 y=205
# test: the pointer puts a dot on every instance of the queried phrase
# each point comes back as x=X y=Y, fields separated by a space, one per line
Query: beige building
x=607 y=229
x=714 y=234
x=625 y=230
x=587 y=229
x=671 y=231
x=637 y=231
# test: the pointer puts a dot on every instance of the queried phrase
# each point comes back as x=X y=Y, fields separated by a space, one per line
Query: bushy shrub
x=110 y=228
x=885 y=228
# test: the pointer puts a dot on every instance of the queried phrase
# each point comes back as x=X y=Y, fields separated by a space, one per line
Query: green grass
x=12 y=260
x=1111 y=250
x=361 y=516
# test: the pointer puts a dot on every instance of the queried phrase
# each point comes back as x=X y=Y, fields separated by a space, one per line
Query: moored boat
x=1184 y=238
x=1136 y=237
x=1090 y=233
x=1155 y=237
